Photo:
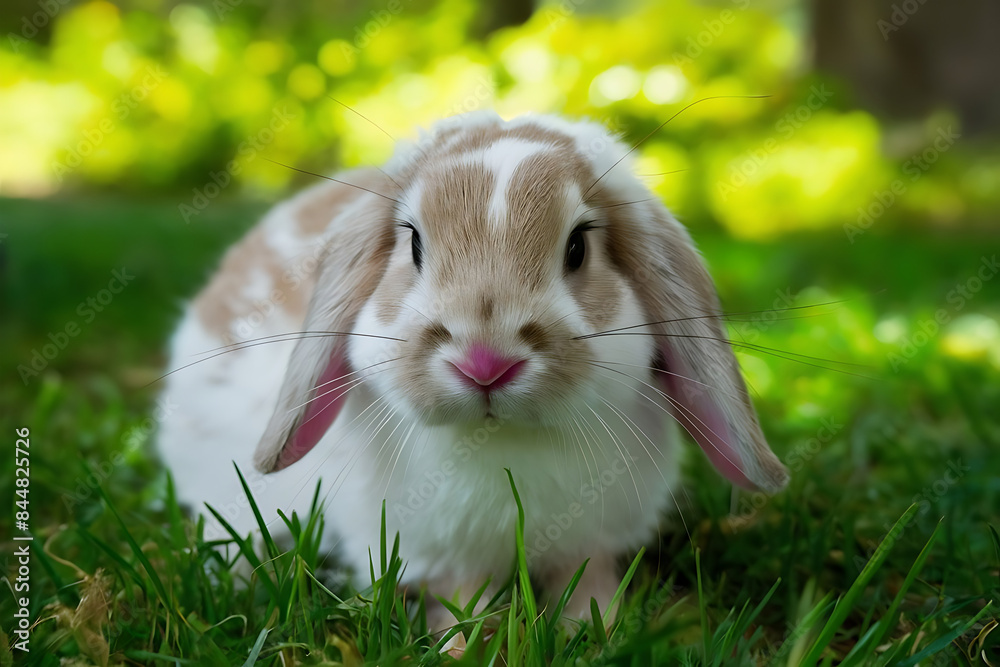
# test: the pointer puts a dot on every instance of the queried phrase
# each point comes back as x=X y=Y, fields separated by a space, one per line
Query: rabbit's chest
x=457 y=509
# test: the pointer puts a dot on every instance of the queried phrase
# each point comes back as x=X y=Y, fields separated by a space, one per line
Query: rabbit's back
x=231 y=350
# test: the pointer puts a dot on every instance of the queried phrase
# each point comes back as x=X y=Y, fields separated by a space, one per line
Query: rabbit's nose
x=488 y=369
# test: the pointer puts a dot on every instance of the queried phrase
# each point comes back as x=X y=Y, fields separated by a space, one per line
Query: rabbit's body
x=450 y=334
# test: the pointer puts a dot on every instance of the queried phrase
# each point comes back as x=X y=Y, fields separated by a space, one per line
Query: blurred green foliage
x=887 y=223
x=155 y=96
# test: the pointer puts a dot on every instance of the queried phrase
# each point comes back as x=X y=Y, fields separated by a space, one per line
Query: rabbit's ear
x=695 y=365
x=319 y=376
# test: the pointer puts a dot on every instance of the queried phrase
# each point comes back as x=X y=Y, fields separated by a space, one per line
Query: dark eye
x=417 y=247
x=576 y=248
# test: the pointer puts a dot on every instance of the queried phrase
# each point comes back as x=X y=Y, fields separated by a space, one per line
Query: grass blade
x=595 y=615
x=272 y=548
x=943 y=641
x=161 y=590
x=255 y=651
x=626 y=580
x=568 y=593
x=889 y=619
x=530 y=608
x=246 y=549
x=846 y=603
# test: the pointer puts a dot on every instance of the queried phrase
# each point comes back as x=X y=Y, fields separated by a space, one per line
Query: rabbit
x=501 y=295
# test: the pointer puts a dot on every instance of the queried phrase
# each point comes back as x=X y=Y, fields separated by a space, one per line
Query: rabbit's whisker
x=664 y=173
x=417 y=311
x=354 y=382
x=297 y=335
x=627 y=421
x=580 y=438
x=264 y=340
x=618 y=445
x=386 y=440
x=360 y=370
x=679 y=406
x=335 y=180
x=664 y=124
x=376 y=126
x=624 y=203
x=305 y=480
x=666 y=372
x=774 y=352
x=346 y=471
x=723 y=316
x=581 y=422
x=409 y=458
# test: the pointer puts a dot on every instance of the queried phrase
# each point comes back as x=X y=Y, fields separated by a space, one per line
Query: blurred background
x=133 y=138
x=135 y=135
x=136 y=141
x=850 y=218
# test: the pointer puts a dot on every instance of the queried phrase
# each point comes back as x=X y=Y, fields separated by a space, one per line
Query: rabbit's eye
x=576 y=248
x=417 y=248
x=416 y=245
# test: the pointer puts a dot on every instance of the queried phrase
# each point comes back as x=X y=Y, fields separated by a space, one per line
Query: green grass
x=879 y=553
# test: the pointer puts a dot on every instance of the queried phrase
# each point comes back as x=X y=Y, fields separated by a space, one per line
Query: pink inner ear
x=696 y=410
x=328 y=399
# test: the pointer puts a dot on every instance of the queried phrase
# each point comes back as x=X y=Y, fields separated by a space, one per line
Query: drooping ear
x=697 y=370
x=319 y=376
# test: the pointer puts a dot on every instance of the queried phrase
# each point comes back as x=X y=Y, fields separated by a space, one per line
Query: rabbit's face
x=501 y=266
x=518 y=270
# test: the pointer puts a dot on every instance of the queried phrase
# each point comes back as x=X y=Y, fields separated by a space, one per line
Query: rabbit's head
x=517 y=270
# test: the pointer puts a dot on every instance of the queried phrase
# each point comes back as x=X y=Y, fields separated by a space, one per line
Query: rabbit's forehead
x=511 y=200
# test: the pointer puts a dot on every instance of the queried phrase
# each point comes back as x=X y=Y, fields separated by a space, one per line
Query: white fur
x=594 y=473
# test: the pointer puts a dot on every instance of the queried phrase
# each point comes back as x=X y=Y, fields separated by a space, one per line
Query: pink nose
x=487 y=368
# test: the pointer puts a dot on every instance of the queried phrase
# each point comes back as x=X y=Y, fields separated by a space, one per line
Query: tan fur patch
x=223 y=303
x=535 y=223
x=486 y=307
x=454 y=207
x=534 y=335
x=486 y=137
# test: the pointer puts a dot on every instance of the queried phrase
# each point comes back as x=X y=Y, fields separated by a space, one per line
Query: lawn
x=873 y=365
